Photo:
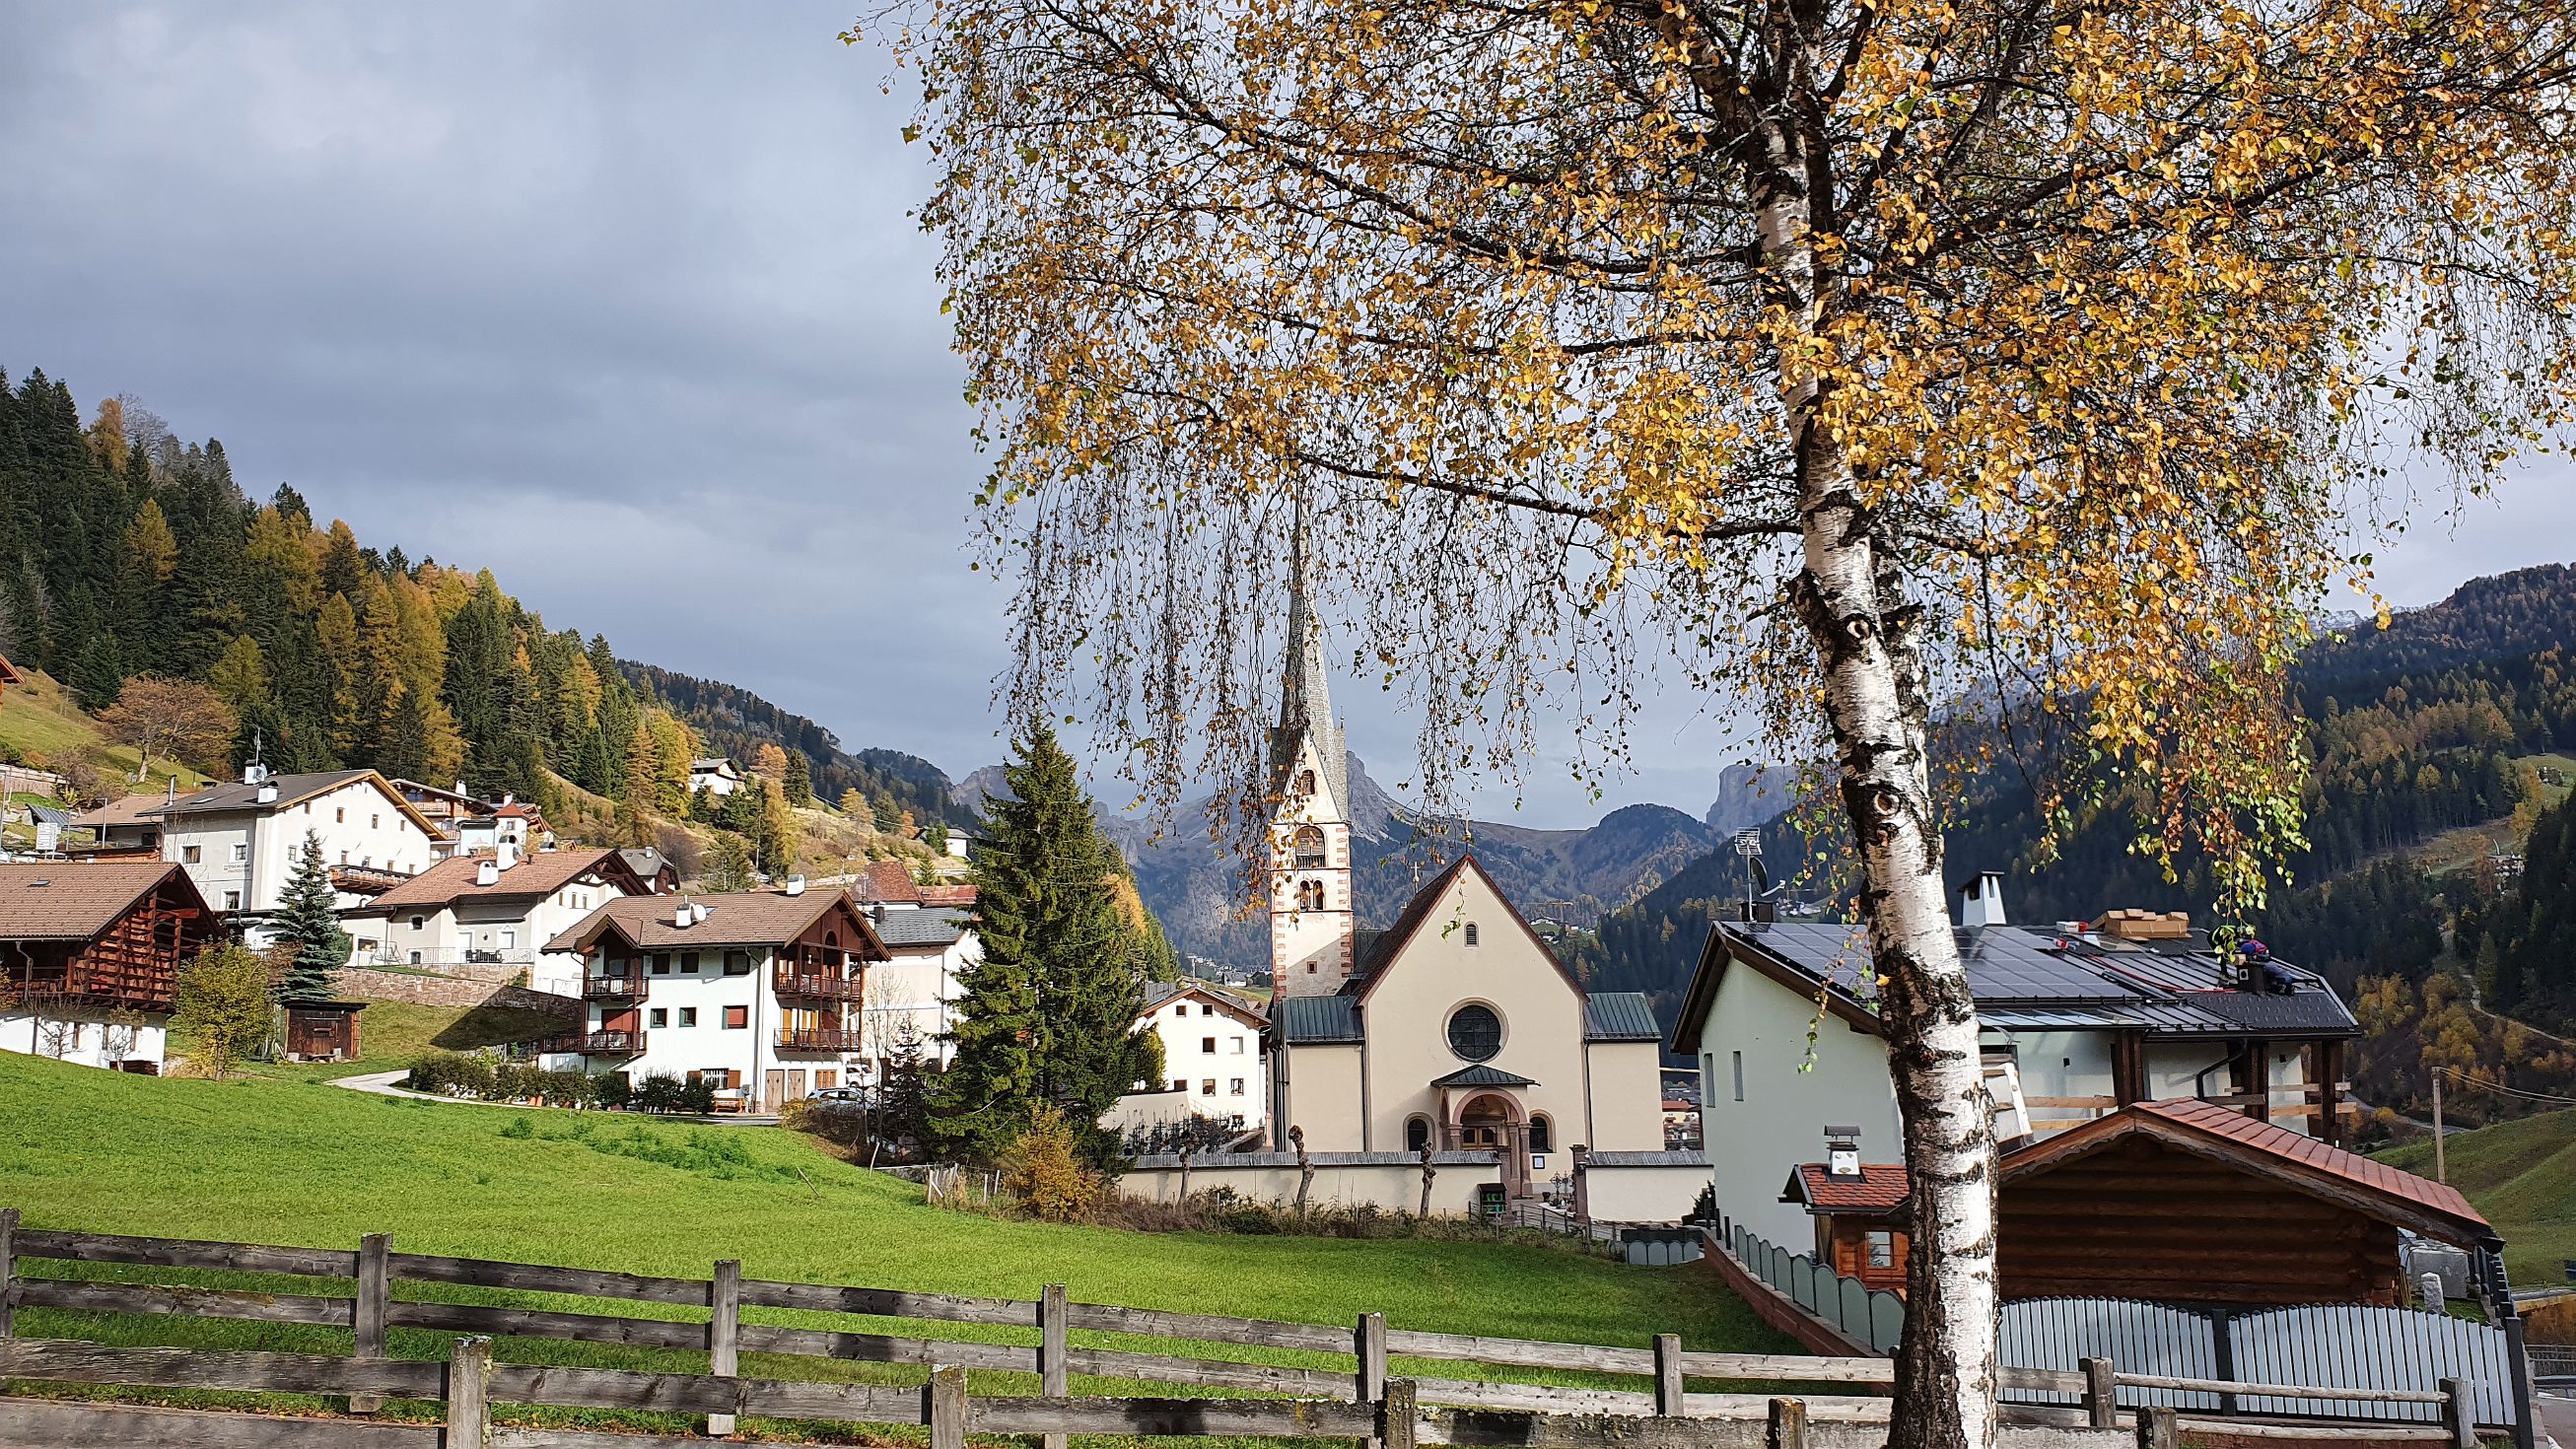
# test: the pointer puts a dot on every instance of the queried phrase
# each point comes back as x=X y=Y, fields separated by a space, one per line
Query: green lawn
x=299 y=1162
x=2522 y=1175
x=394 y=1034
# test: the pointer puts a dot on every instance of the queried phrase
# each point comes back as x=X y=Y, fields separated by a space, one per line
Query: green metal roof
x=1305 y=1020
x=1482 y=1074
x=1620 y=1016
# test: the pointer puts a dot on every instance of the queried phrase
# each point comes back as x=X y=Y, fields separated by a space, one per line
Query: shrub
x=223 y=1005
x=698 y=1095
x=1045 y=1170
x=659 y=1092
x=567 y=1089
x=453 y=1074
x=520 y=1129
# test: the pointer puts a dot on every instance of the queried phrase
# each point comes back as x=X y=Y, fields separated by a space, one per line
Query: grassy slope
x=2522 y=1175
x=301 y=1163
x=394 y=1034
x=40 y=719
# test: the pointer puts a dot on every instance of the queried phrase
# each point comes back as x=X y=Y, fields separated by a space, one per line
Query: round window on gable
x=1475 y=1032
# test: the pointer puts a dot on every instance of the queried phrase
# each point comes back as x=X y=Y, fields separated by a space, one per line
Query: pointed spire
x=1305 y=696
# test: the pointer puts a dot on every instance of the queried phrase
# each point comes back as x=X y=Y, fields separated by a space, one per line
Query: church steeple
x=1311 y=924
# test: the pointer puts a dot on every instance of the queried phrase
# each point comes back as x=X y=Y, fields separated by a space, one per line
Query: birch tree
x=1862 y=356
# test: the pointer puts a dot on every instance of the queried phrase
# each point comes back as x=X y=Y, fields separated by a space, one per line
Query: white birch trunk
x=1867 y=640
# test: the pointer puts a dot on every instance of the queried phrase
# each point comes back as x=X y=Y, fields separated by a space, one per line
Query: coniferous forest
x=127 y=553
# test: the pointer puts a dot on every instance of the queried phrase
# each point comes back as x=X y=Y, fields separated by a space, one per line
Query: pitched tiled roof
x=1158 y=993
x=1482 y=1074
x=62 y=901
x=737 y=918
x=946 y=895
x=132 y=810
x=291 y=790
x=646 y=863
x=1881 y=1187
x=889 y=881
x=2274 y=1151
x=539 y=873
x=1309 y=1020
x=924 y=927
x=1620 y=1016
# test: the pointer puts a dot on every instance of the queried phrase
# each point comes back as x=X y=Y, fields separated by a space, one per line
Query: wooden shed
x=1860 y=1215
x=2188 y=1201
x=322 y=1031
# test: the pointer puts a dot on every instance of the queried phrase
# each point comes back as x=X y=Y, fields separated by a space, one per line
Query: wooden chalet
x=90 y=956
x=2174 y=1202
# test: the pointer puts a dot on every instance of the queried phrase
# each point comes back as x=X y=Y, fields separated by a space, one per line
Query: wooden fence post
x=2157 y=1430
x=947 y=1407
x=1053 y=1379
x=2457 y=1421
x=8 y=1272
x=1668 y=1376
x=375 y=1252
x=1368 y=1345
x=724 y=1333
x=1398 y=1415
x=2101 y=1393
x=469 y=1406
x=1788 y=1426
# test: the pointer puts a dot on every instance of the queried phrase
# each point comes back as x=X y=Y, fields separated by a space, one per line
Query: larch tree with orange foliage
x=1863 y=354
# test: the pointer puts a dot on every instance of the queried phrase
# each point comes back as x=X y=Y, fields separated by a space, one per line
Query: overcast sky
x=623 y=302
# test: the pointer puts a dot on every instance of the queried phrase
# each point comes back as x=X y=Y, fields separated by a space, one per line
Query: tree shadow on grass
x=491 y=1025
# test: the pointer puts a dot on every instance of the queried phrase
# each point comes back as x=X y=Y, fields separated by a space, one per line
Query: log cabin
x=90 y=956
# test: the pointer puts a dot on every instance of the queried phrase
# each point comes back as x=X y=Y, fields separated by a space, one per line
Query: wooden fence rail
x=370 y=1310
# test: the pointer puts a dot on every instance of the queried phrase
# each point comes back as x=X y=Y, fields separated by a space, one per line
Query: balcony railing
x=599 y=1043
x=614 y=988
x=826 y=988
x=817 y=1039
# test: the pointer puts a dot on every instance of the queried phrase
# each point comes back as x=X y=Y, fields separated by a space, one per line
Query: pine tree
x=305 y=917
x=1048 y=1017
x=729 y=864
x=800 y=779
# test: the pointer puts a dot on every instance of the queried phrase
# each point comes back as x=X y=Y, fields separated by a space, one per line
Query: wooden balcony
x=821 y=988
x=598 y=1043
x=614 y=988
x=817 y=1039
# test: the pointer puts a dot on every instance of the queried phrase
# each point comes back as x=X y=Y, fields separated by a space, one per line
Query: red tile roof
x=888 y=880
x=537 y=874
x=1881 y=1187
x=2263 y=1147
x=947 y=895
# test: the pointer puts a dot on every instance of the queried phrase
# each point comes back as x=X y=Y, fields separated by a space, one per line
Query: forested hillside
x=2437 y=746
x=134 y=568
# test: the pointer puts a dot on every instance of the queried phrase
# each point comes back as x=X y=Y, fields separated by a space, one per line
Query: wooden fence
x=1323 y=1403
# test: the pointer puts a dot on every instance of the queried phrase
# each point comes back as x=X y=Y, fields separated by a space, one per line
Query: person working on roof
x=2265 y=974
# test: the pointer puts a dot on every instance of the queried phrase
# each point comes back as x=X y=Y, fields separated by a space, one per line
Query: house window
x=1417 y=1133
x=340 y=816
x=1208 y=1087
x=1739 y=1076
x=737 y=963
x=232 y=900
x=659 y=1016
x=689 y=963
x=415 y=958
x=1881 y=1247
x=737 y=1018
x=1234 y=1044
x=1542 y=1137
x=1207 y=1044
x=1471 y=933
x=1181 y=1010
x=241 y=852
x=662 y=963
x=1207 y=1010
x=419 y=923
x=1475 y=1032
x=509 y=940
x=1234 y=1088
x=374 y=821
x=1179 y=1086
x=688 y=1016
x=191 y=854
x=1306 y=847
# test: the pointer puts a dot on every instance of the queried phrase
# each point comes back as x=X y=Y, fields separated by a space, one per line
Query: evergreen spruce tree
x=799 y=780
x=1048 y=1017
x=305 y=917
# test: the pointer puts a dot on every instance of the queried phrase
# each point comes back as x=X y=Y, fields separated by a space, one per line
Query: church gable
x=1464 y=914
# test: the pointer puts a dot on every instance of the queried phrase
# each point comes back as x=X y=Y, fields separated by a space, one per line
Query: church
x=1458 y=1030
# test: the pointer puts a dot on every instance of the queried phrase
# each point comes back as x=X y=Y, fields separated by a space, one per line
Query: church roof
x=1315 y=1020
x=1620 y=1016
x=1482 y=1074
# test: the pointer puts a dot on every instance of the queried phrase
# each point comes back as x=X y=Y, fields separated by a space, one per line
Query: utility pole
x=2441 y=1164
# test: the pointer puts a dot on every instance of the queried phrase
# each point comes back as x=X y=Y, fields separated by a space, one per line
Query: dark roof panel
x=1620 y=1016
x=1306 y=1020
x=1482 y=1074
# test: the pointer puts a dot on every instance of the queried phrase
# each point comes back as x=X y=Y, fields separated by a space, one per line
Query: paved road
x=2558 y=1417
x=381 y=1084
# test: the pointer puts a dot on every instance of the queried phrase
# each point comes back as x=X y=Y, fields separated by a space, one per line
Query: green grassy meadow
x=280 y=1160
x=394 y=1034
x=2522 y=1175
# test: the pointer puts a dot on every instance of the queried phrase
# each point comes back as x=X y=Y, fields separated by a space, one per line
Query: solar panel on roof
x=2010 y=964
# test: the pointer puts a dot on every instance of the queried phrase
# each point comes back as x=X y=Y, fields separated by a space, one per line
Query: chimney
x=685 y=917
x=1982 y=903
x=1842 y=1153
x=486 y=874
x=796 y=885
x=267 y=790
x=254 y=772
x=508 y=853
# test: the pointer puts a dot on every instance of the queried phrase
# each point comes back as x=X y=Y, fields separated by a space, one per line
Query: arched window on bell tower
x=1310 y=895
x=1305 y=784
x=1306 y=848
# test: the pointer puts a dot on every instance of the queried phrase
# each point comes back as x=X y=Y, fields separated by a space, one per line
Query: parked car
x=848 y=1096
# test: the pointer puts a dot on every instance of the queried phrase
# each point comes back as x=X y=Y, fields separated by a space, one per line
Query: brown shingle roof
x=61 y=901
x=737 y=918
x=132 y=810
x=538 y=874
x=2293 y=1158
x=888 y=880
x=1881 y=1187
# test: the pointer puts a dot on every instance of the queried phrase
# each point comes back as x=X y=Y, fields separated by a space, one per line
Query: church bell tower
x=1310 y=821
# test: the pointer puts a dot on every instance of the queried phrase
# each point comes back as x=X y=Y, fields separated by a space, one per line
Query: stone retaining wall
x=449 y=991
